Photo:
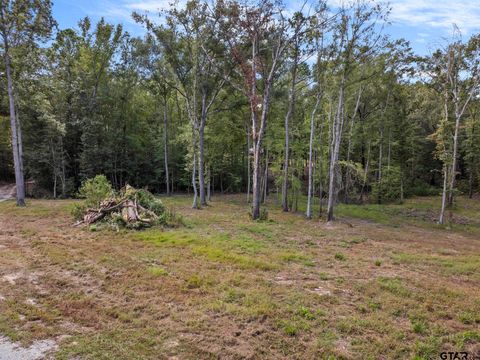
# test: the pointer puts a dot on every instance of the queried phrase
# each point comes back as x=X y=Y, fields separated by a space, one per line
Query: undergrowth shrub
x=422 y=189
x=389 y=189
x=95 y=190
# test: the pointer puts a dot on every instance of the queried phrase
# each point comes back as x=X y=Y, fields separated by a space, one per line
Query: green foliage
x=422 y=189
x=150 y=202
x=389 y=188
x=306 y=313
x=157 y=271
x=77 y=211
x=340 y=256
x=95 y=190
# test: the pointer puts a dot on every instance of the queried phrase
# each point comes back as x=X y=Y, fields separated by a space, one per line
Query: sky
x=425 y=23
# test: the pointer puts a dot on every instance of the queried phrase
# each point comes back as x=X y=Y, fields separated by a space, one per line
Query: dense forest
x=232 y=96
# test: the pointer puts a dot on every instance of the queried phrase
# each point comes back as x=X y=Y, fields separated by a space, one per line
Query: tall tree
x=319 y=74
x=296 y=48
x=191 y=47
x=22 y=24
x=356 y=38
x=247 y=29
x=455 y=71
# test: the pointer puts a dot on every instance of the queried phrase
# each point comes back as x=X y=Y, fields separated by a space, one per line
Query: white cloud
x=438 y=13
x=148 y=5
x=122 y=9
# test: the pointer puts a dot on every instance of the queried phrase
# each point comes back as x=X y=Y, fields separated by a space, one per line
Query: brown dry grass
x=226 y=287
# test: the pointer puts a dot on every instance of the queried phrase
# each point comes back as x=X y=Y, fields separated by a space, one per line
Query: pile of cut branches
x=132 y=208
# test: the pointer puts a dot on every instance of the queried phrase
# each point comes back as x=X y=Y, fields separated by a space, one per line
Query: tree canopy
x=230 y=96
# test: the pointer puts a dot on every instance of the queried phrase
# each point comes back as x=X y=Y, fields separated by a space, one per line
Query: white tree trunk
x=335 y=150
x=194 y=182
x=441 y=219
x=201 y=158
x=249 y=166
x=16 y=131
x=165 y=144
x=310 y=158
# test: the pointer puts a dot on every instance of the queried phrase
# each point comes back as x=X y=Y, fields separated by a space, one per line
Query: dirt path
x=7 y=191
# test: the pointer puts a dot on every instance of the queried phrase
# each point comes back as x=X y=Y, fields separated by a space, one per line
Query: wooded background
x=227 y=96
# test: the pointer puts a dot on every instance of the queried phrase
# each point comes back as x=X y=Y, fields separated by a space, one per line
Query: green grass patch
x=135 y=344
x=296 y=257
x=157 y=271
x=229 y=257
x=394 y=286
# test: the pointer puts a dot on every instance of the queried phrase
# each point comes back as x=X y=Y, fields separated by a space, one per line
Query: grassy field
x=383 y=282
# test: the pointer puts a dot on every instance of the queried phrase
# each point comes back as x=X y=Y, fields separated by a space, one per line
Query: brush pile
x=131 y=208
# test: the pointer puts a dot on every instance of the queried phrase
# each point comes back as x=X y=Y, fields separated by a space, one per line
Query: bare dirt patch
x=14 y=351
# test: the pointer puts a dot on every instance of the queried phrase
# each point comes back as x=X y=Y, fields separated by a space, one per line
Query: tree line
x=233 y=96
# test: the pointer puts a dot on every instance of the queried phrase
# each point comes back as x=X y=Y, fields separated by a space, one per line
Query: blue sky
x=423 y=22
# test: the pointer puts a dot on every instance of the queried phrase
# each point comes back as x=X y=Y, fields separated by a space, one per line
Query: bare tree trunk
x=256 y=184
x=310 y=158
x=201 y=158
x=453 y=171
x=249 y=166
x=165 y=144
x=349 y=148
x=20 y=141
x=209 y=185
x=380 y=159
x=380 y=153
x=194 y=181
x=441 y=219
x=54 y=169
x=365 y=175
x=453 y=77
x=389 y=155
x=320 y=184
x=288 y=116
x=471 y=170
x=335 y=150
x=314 y=177
x=63 y=175
x=258 y=130
x=16 y=130
x=265 y=189
x=320 y=158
